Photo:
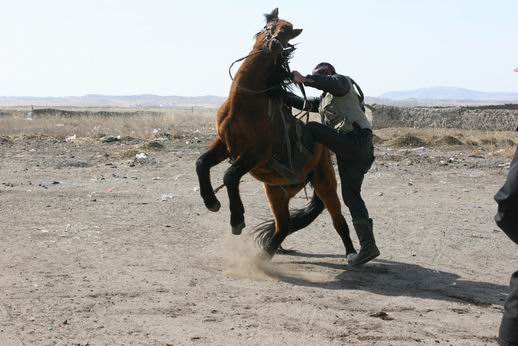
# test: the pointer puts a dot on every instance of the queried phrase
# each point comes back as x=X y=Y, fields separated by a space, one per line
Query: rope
x=287 y=50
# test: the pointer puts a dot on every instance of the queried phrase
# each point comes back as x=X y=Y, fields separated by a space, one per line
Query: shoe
x=364 y=256
x=369 y=250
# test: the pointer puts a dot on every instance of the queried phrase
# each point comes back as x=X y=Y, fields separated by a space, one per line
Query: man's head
x=324 y=69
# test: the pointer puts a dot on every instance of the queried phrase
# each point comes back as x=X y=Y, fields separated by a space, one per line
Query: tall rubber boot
x=369 y=250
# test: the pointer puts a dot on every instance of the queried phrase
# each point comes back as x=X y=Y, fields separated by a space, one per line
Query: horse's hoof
x=264 y=256
x=215 y=207
x=283 y=251
x=236 y=230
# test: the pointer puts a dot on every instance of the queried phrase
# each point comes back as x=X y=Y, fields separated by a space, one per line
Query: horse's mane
x=280 y=77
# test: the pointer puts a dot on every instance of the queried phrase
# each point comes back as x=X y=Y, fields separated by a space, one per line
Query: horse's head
x=276 y=34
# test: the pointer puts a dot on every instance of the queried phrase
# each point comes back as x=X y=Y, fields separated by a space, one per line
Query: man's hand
x=298 y=78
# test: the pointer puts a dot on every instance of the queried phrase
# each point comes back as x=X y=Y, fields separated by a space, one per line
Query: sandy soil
x=115 y=253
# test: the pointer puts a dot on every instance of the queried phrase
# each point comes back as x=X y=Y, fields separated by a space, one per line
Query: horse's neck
x=254 y=71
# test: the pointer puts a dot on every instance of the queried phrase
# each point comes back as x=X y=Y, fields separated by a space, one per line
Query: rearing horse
x=244 y=134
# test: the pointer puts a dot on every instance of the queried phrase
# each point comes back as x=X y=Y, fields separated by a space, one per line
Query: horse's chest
x=246 y=132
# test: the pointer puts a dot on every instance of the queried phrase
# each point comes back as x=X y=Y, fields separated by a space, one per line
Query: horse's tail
x=299 y=219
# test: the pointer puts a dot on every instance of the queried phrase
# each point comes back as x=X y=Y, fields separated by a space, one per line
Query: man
x=507 y=219
x=346 y=131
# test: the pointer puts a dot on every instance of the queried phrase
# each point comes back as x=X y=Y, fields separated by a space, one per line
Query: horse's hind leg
x=325 y=185
x=231 y=179
x=217 y=152
x=279 y=203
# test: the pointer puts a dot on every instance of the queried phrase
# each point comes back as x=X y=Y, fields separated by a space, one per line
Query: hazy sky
x=168 y=47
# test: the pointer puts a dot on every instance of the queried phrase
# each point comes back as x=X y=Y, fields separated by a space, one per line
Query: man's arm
x=336 y=84
x=297 y=102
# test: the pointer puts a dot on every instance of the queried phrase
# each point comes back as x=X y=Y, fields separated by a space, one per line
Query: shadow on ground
x=391 y=278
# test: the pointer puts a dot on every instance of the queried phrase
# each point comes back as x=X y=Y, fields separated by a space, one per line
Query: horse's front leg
x=231 y=179
x=217 y=152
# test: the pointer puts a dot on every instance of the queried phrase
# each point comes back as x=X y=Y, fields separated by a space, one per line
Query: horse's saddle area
x=289 y=155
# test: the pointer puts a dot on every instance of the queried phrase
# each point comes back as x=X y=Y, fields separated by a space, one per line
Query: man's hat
x=323 y=68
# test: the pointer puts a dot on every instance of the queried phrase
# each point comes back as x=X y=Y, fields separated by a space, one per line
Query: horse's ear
x=272 y=16
x=296 y=32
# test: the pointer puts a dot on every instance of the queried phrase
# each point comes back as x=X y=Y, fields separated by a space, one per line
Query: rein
x=267 y=30
x=241 y=87
x=285 y=53
x=304 y=112
x=288 y=50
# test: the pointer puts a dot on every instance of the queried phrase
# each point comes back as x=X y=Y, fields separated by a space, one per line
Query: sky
x=169 y=47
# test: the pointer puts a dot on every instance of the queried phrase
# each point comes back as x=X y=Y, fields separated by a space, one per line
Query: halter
x=267 y=30
x=285 y=53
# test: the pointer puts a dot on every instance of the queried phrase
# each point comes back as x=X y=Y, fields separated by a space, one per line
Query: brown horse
x=245 y=136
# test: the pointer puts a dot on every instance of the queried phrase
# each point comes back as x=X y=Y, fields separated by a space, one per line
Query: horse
x=244 y=134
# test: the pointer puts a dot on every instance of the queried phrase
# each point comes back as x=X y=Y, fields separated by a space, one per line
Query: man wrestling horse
x=246 y=136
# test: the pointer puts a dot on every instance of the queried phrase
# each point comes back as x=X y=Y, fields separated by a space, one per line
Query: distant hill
x=137 y=101
x=449 y=93
x=439 y=96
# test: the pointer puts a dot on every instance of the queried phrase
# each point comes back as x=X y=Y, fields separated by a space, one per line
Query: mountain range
x=434 y=96
x=450 y=93
x=94 y=100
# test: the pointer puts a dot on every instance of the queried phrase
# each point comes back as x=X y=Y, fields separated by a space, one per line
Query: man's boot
x=368 y=250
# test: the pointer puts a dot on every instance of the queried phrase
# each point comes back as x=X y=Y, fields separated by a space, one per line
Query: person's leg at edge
x=508 y=335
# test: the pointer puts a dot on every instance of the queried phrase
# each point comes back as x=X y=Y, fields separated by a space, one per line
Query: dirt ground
x=98 y=248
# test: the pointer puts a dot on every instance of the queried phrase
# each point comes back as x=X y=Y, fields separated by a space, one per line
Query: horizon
x=138 y=49
x=223 y=96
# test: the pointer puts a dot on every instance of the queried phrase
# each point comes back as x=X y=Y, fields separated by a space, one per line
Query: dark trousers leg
x=354 y=155
x=351 y=177
x=509 y=327
x=348 y=146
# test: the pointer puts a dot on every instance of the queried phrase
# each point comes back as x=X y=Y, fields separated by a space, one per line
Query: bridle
x=267 y=30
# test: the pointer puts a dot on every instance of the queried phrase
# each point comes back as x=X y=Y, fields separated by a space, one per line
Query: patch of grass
x=472 y=142
x=501 y=143
x=144 y=124
x=407 y=140
x=377 y=139
x=506 y=142
x=130 y=153
x=447 y=140
x=153 y=145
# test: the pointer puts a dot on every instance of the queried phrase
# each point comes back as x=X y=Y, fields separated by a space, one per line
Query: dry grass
x=452 y=136
x=144 y=125
x=501 y=143
x=150 y=123
x=406 y=140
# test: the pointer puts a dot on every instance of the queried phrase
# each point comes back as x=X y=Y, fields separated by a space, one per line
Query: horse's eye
x=286 y=30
